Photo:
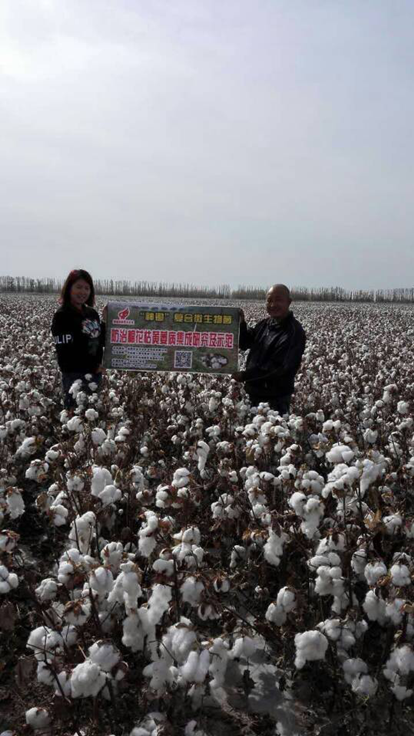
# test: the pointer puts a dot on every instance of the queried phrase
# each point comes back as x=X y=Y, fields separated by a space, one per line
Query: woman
x=78 y=334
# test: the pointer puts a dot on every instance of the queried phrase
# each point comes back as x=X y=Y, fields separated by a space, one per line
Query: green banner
x=159 y=337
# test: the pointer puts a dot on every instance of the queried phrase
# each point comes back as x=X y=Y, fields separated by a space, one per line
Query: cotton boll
x=374 y=571
x=47 y=589
x=77 y=612
x=400 y=575
x=244 y=646
x=98 y=436
x=15 y=503
x=105 y=655
x=392 y=523
x=101 y=477
x=158 y=603
x=310 y=646
x=87 y=680
x=364 y=685
x=374 y=607
x=354 y=667
x=38 y=718
x=126 y=589
x=8 y=580
x=196 y=667
x=8 y=540
x=273 y=549
x=191 y=591
x=340 y=454
x=219 y=659
x=109 y=495
x=101 y=581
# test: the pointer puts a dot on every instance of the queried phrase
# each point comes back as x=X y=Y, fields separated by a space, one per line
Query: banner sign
x=172 y=337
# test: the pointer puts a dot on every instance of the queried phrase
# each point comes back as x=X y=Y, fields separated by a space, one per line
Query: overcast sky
x=209 y=141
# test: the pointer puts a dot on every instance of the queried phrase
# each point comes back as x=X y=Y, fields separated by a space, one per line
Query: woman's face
x=79 y=293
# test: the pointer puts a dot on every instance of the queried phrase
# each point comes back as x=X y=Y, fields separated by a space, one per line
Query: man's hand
x=238 y=376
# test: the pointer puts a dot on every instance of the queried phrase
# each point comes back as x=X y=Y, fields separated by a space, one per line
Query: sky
x=208 y=141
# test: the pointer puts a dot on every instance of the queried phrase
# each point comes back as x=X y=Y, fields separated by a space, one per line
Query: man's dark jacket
x=276 y=350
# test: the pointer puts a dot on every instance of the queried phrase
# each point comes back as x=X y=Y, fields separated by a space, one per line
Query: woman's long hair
x=74 y=276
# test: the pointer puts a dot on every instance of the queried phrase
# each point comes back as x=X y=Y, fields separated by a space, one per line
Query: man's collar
x=274 y=324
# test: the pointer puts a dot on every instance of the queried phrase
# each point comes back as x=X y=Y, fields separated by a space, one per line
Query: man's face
x=277 y=303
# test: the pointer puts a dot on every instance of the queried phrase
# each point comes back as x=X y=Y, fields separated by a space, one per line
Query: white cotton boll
x=354 y=667
x=47 y=589
x=191 y=730
x=276 y=614
x=297 y=502
x=364 y=685
x=374 y=607
x=401 y=692
x=161 y=676
x=403 y=407
x=164 y=567
x=8 y=540
x=59 y=514
x=101 y=477
x=273 y=549
x=91 y=415
x=77 y=612
x=112 y=554
x=37 y=718
x=98 y=436
x=400 y=575
x=126 y=589
x=87 y=680
x=191 y=591
x=374 y=571
x=238 y=555
x=196 y=667
x=359 y=561
x=101 y=580
x=340 y=454
x=219 y=659
x=244 y=646
x=370 y=436
x=44 y=674
x=158 y=603
x=181 y=478
x=146 y=543
x=106 y=656
x=310 y=646
x=28 y=447
x=8 y=580
x=109 y=495
x=15 y=503
x=82 y=531
x=394 y=610
x=36 y=641
x=75 y=424
x=392 y=523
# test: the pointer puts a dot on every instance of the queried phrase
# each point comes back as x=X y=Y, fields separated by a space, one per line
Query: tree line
x=110 y=287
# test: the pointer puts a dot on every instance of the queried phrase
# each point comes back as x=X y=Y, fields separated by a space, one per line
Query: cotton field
x=175 y=561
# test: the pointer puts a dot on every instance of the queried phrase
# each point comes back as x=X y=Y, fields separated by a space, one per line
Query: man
x=276 y=348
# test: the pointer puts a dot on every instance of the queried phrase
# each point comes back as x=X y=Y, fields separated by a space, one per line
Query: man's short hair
x=281 y=287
